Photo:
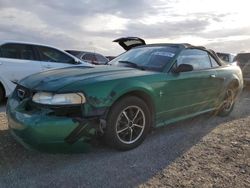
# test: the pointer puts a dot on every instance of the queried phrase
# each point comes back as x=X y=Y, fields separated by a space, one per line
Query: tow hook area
x=78 y=132
x=87 y=129
x=103 y=125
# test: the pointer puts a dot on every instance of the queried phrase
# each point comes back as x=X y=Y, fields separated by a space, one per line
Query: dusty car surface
x=147 y=86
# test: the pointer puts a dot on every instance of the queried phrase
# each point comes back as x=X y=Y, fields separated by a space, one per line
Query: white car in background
x=20 y=59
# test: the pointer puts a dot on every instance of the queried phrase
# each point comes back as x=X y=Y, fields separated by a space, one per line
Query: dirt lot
x=220 y=159
x=201 y=152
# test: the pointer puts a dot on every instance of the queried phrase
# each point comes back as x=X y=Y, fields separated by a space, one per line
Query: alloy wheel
x=130 y=124
x=229 y=100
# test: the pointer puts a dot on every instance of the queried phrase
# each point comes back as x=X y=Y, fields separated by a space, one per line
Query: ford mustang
x=146 y=87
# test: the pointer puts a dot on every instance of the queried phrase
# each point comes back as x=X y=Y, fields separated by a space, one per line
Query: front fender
x=131 y=86
x=104 y=95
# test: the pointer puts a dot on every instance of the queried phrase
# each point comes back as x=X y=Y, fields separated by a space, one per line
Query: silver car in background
x=90 y=57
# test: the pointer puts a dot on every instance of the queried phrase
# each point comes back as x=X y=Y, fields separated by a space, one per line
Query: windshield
x=146 y=58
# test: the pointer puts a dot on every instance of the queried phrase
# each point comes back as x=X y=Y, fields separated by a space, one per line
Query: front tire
x=128 y=123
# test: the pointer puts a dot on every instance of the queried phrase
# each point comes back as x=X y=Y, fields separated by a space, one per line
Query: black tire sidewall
x=110 y=135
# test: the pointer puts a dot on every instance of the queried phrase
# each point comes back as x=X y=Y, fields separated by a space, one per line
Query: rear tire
x=228 y=102
x=128 y=123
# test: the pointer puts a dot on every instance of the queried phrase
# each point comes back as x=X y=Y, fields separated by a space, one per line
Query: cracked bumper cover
x=49 y=132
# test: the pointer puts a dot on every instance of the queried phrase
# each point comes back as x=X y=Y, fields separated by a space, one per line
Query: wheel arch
x=235 y=84
x=235 y=87
x=236 y=81
x=147 y=98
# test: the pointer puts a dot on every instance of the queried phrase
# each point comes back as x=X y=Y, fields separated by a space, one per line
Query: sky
x=92 y=25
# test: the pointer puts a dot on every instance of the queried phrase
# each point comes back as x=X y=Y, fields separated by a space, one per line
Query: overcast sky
x=222 y=25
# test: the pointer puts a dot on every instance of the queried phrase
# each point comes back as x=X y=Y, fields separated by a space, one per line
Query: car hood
x=54 y=80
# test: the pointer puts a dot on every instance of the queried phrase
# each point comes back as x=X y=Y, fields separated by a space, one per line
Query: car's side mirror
x=183 y=68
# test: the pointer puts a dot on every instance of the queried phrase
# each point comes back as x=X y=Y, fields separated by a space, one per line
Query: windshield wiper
x=132 y=64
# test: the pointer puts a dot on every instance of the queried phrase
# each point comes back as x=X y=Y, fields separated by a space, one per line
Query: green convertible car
x=148 y=86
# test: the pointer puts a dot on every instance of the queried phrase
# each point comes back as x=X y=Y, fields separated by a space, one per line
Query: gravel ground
x=220 y=159
x=205 y=151
x=2 y=108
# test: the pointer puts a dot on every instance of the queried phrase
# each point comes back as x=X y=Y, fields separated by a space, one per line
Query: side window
x=101 y=59
x=26 y=52
x=213 y=62
x=10 y=51
x=17 y=51
x=52 y=55
x=199 y=59
x=89 y=57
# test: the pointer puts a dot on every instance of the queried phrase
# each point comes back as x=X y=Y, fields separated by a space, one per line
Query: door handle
x=0 y=63
x=48 y=66
x=212 y=76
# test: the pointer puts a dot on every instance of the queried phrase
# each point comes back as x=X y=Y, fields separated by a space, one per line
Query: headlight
x=59 y=99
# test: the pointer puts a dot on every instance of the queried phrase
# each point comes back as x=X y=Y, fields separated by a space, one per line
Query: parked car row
x=20 y=59
x=148 y=86
x=89 y=57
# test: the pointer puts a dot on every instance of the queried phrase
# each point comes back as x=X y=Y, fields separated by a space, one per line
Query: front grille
x=69 y=111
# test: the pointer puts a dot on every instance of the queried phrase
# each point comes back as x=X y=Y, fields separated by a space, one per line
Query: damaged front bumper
x=45 y=131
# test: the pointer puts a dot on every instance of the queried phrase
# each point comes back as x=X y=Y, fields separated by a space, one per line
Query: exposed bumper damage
x=52 y=130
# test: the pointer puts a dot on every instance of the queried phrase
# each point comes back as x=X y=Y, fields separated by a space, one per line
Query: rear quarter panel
x=229 y=74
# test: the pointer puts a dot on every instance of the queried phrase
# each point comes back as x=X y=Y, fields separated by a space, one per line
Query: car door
x=194 y=91
x=17 y=61
x=52 y=58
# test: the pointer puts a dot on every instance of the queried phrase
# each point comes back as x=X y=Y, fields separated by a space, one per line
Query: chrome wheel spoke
x=131 y=135
x=122 y=130
x=136 y=115
x=229 y=100
x=140 y=126
x=125 y=115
